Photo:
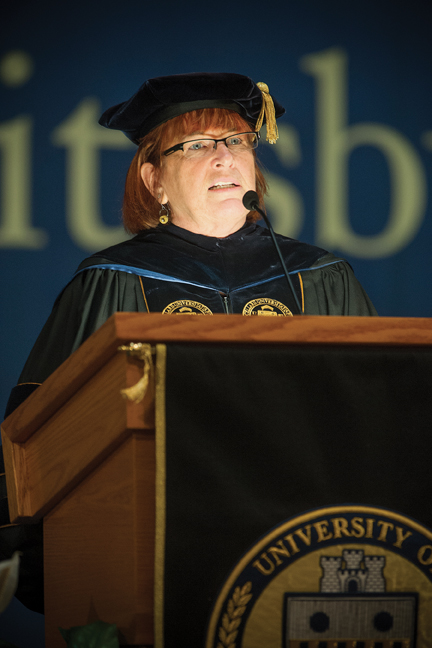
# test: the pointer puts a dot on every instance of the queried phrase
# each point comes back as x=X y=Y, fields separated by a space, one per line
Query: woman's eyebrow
x=231 y=130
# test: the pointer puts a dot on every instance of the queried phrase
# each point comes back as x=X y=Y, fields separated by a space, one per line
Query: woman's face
x=193 y=188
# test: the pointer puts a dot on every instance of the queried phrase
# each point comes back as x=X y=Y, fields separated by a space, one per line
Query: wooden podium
x=81 y=457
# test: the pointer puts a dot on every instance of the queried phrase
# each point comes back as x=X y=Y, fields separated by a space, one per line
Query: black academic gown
x=171 y=270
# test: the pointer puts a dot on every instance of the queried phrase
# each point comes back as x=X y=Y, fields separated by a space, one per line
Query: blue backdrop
x=351 y=172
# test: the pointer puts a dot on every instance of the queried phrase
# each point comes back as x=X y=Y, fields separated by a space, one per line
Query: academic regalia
x=173 y=270
x=169 y=269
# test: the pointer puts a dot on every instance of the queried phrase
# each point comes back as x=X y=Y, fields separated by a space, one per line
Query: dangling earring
x=164 y=217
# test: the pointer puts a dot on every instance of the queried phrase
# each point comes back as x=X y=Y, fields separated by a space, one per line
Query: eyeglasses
x=237 y=143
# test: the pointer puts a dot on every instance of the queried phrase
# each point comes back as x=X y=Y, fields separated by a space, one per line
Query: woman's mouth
x=223 y=185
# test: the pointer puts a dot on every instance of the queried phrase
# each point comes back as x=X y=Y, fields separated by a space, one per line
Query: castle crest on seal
x=336 y=577
x=352 y=572
x=352 y=607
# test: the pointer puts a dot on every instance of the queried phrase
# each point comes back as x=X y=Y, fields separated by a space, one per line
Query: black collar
x=207 y=242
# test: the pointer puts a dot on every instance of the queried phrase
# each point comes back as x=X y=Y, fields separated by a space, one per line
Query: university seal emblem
x=187 y=307
x=345 y=577
x=266 y=307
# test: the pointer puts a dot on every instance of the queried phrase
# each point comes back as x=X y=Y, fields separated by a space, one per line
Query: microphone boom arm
x=250 y=201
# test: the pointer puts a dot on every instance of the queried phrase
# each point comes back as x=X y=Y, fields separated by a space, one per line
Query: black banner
x=258 y=435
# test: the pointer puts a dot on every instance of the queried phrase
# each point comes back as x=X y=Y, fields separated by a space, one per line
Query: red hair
x=140 y=208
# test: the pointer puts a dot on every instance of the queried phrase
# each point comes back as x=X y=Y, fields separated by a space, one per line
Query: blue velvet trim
x=150 y=274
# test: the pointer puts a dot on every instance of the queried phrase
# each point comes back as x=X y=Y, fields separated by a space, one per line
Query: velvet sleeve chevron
x=331 y=288
x=80 y=309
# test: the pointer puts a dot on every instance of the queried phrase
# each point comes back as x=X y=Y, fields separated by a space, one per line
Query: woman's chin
x=230 y=208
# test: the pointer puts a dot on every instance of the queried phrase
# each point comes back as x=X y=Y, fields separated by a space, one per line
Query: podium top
x=155 y=328
x=70 y=395
x=304 y=329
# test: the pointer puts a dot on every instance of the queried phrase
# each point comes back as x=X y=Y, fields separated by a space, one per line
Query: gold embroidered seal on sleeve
x=186 y=307
x=266 y=307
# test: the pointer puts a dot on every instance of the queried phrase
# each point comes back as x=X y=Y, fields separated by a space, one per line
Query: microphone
x=251 y=202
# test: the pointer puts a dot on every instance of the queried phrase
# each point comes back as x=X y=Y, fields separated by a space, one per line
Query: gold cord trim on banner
x=160 y=389
x=267 y=111
x=143 y=352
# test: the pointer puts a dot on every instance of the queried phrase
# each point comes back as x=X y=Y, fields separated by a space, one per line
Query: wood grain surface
x=74 y=440
x=153 y=328
x=99 y=548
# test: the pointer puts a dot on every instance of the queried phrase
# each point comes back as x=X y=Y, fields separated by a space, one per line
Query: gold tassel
x=267 y=110
x=137 y=392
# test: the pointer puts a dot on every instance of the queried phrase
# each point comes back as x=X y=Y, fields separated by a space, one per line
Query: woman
x=197 y=249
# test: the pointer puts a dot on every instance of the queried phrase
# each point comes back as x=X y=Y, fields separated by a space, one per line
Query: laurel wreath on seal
x=231 y=620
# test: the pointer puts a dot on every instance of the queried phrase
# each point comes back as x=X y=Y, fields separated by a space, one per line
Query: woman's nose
x=222 y=154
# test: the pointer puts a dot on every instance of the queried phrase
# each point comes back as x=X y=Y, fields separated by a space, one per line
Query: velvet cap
x=163 y=98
